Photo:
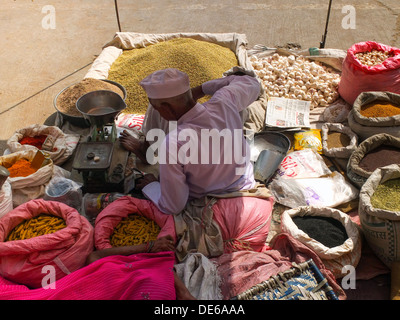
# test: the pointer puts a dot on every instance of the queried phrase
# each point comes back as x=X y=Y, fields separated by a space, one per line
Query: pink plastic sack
x=357 y=78
x=244 y=222
x=66 y=250
x=109 y=218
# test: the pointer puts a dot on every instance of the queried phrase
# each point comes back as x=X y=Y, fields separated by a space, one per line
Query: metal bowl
x=100 y=107
x=268 y=149
x=80 y=121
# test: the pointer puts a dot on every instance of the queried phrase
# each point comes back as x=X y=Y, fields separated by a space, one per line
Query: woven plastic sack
x=6 y=204
x=339 y=152
x=112 y=215
x=22 y=261
x=357 y=174
x=244 y=222
x=32 y=186
x=381 y=228
x=349 y=253
x=63 y=144
x=357 y=78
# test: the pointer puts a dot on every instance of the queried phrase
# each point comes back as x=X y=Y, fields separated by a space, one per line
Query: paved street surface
x=47 y=45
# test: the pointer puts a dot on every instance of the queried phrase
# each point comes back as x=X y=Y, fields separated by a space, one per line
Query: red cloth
x=144 y=276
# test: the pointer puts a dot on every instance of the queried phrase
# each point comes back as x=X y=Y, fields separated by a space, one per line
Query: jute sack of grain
x=29 y=187
x=368 y=126
x=338 y=152
x=253 y=116
x=355 y=172
x=381 y=228
x=334 y=258
x=62 y=145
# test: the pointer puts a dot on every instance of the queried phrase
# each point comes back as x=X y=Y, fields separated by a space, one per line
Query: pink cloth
x=141 y=276
x=243 y=269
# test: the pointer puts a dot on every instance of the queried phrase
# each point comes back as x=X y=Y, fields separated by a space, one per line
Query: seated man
x=205 y=150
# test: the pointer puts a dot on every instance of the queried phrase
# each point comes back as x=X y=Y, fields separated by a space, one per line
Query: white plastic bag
x=329 y=191
x=6 y=203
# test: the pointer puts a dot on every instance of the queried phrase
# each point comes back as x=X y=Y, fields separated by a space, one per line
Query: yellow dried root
x=133 y=230
x=201 y=60
x=36 y=226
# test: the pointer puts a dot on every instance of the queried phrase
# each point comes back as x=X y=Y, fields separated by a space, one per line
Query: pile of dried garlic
x=297 y=78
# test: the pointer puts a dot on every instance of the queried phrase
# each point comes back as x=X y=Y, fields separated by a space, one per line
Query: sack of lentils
x=338 y=140
x=329 y=232
x=130 y=57
x=376 y=112
x=379 y=211
x=377 y=151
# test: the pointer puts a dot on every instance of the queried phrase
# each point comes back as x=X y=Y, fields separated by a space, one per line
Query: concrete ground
x=36 y=62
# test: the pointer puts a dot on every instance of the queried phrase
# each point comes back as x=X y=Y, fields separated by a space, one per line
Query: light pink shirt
x=181 y=178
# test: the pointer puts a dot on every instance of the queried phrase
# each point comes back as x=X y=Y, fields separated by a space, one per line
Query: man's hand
x=134 y=145
x=142 y=182
x=163 y=244
x=197 y=93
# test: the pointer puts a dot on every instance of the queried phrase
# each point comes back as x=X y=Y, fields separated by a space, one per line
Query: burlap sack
x=339 y=152
x=357 y=174
x=32 y=186
x=381 y=228
x=349 y=253
x=63 y=144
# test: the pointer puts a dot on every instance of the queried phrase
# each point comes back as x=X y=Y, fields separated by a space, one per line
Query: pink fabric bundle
x=66 y=250
x=109 y=218
x=241 y=270
x=136 y=277
x=244 y=222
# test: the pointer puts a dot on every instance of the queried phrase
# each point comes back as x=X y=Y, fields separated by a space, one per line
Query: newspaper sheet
x=287 y=113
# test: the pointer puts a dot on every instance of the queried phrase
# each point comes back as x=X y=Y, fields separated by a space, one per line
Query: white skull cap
x=165 y=83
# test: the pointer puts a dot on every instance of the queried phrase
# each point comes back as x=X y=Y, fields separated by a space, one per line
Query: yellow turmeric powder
x=21 y=168
x=379 y=109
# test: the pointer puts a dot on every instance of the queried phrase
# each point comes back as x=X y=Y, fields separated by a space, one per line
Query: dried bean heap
x=201 y=60
x=297 y=78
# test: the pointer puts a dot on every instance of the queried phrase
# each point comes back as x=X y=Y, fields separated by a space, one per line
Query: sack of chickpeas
x=369 y=66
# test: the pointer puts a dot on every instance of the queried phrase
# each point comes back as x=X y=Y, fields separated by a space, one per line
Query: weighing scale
x=102 y=160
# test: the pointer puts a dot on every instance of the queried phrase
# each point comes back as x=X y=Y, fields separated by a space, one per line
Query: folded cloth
x=200 y=277
x=144 y=276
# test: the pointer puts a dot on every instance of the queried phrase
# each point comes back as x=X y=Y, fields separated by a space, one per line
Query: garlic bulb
x=372 y=58
x=297 y=78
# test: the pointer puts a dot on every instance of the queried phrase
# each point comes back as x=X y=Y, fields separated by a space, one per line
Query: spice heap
x=134 y=229
x=387 y=195
x=373 y=57
x=21 y=168
x=337 y=140
x=326 y=230
x=37 y=226
x=201 y=60
x=66 y=101
x=36 y=141
x=379 y=109
x=297 y=78
x=381 y=156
